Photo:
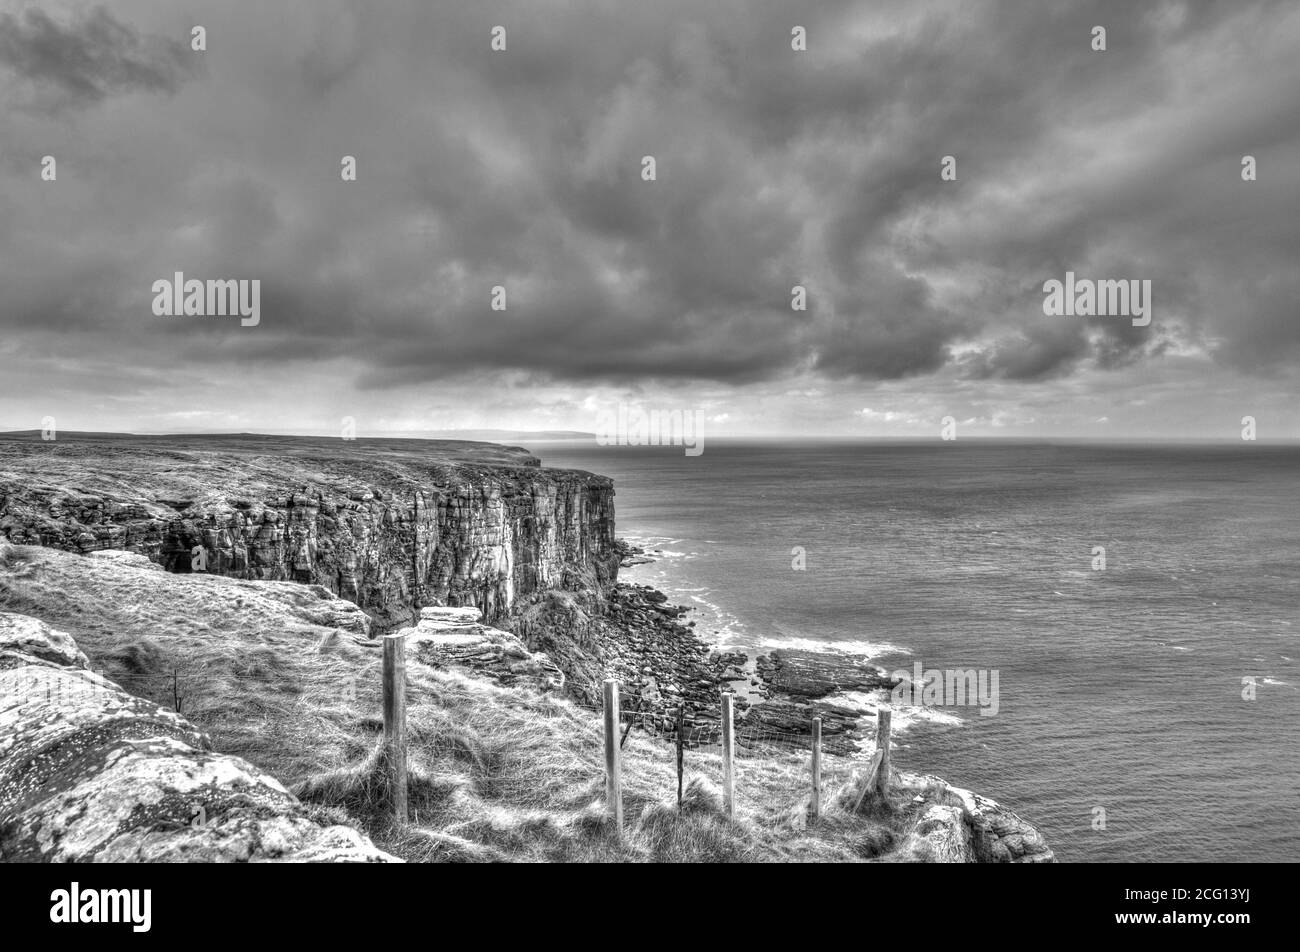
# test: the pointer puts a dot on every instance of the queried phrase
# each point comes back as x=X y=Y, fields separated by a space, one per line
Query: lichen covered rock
x=957 y=825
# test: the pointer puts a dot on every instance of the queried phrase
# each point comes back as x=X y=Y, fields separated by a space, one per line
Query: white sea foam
x=868 y=648
x=797 y=642
x=904 y=716
x=650 y=542
x=715 y=624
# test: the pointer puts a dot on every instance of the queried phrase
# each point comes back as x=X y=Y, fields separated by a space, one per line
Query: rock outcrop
x=389 y=524
x=957 y=826
x=456 y=637
x=89 y=773
x=797 y=685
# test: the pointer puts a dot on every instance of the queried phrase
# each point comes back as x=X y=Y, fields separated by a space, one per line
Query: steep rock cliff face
x=389 y=524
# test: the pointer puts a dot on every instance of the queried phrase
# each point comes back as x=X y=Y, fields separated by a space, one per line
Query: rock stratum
x=389 y=524
x=89 y=773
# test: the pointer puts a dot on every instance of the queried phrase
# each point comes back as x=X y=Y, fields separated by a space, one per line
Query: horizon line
x=578 y=436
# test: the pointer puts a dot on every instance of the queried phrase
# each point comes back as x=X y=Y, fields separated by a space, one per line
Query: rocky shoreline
x=666 y=667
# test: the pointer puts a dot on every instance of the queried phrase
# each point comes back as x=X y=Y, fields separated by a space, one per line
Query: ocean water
x=1118 y=689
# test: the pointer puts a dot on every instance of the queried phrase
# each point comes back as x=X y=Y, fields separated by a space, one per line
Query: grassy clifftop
x=126 y=447
x=286 y=676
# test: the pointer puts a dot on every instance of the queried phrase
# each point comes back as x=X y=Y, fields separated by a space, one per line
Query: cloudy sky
x=774 y=168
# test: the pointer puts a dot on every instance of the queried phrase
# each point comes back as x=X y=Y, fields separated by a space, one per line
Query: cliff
x=89 y=773
x=261 y=653
x=389 y=524
x=283 y=675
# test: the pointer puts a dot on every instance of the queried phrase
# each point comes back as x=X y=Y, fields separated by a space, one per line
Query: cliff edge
x=389 y=524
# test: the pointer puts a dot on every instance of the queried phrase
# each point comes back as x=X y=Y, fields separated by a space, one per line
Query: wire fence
x=698 y=726
x=688 y=723
x=699 y=729
x=703 y=731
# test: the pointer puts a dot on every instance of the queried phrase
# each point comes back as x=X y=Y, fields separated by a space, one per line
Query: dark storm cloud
x=775 y=168
x=88 y=58
x=1039 y=352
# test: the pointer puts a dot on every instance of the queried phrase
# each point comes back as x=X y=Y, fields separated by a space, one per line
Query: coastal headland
x=242 y=580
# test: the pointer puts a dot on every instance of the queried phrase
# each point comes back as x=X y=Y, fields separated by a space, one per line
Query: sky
x=523 y=168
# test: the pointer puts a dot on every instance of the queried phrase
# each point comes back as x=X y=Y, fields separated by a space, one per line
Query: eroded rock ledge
x=457 y=637
x=89 y=773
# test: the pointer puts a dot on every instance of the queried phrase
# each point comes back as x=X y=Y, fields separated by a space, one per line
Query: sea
x=1138 y=604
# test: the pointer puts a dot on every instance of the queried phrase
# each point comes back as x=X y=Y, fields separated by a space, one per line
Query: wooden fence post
x=613 y=769
x=417 y=590
x=728 y=757
x=681 y=724
x=395 y=723
x=882 y=747
x=816 y=808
